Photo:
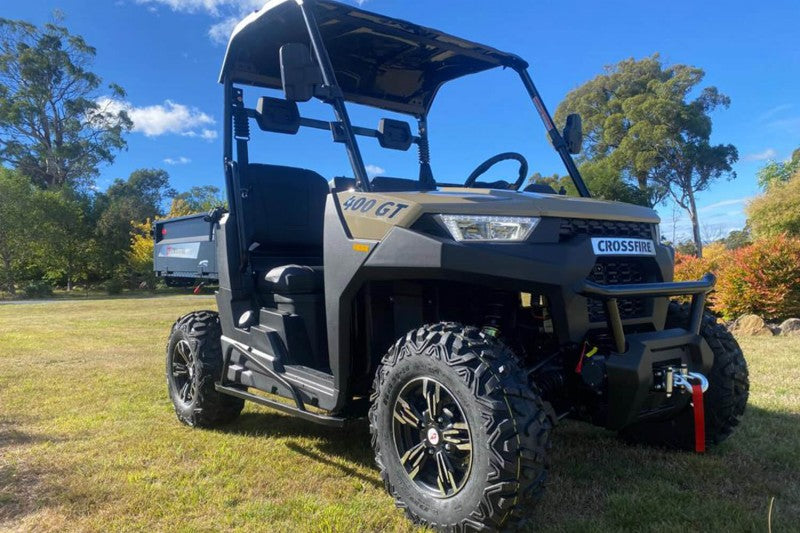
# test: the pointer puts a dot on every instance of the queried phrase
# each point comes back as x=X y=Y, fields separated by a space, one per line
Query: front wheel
x=724 y=401
x=460 y=439
x=194 y=363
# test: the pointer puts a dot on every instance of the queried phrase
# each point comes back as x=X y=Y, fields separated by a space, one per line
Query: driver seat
x=285 y=212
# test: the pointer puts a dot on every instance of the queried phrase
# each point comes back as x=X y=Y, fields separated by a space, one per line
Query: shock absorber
x=241 y=126
x=425 y=172
x=493 y=320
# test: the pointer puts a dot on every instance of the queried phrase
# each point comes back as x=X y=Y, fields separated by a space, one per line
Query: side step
x=325 y=420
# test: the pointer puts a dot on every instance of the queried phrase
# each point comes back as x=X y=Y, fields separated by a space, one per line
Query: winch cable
x=584 y=355
x=699 y=418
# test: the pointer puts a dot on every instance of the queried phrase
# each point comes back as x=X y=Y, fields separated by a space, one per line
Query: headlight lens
x=489 y=228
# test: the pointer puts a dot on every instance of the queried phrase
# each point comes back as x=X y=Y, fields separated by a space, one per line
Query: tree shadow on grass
x=21 y=486
x=352 y=444
x=599 y=483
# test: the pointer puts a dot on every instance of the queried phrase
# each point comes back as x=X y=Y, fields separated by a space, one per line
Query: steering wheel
x=492 y=161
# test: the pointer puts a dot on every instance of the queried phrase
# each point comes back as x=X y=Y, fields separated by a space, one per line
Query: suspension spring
x=493 y=320
x=424 y=150
x=241 y=126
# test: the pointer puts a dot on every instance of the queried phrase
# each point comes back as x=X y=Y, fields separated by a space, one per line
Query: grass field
x=89 y=441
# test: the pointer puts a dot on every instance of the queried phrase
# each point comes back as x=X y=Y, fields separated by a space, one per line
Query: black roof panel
x=378 y=61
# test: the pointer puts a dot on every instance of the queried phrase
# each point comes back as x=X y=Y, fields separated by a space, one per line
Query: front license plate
x=622 y=246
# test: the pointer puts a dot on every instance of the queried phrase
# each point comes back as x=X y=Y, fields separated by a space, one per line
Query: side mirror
x=573 y=133
x=299 y=72
x=394 y=134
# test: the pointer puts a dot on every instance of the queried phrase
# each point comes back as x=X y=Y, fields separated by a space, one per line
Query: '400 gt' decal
x=371 y=205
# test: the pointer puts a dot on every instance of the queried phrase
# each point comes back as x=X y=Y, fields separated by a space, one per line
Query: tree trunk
x=698 y=241
x=642 y=181
x=9 y=277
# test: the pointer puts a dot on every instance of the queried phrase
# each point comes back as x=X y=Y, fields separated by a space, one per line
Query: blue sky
x=167 y=54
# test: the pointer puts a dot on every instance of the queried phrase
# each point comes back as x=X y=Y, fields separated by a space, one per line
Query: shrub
x=715 y=255
x=690 y=268
x=777 y=210
x=114 y=286
x=38 y=289
x=763 y=278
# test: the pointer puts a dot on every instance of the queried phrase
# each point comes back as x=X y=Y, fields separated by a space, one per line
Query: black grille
x=618 y=272
x=571 y=227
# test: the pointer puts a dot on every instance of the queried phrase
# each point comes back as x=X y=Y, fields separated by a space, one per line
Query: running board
x=325 y=420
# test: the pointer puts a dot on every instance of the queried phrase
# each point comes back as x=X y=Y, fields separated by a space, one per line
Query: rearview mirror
x=573 y=133
x=299 y=72
x=394 y=134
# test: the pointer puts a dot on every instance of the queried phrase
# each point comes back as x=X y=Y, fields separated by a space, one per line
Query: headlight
x=489 y=228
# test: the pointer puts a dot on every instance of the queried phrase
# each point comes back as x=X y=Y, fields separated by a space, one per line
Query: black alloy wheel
x=432 y=437
x=194 y=364
x=183 y=368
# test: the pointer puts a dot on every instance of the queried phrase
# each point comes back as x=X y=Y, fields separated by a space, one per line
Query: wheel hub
x=182 y=368
x=432 y=437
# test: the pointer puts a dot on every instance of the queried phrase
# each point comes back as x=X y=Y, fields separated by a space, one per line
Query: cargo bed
x=185 y=249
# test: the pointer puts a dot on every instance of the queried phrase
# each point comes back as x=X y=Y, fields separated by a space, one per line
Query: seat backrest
x=285 y=210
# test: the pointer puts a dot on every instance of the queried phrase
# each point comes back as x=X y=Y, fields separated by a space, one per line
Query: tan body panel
x=372 y=215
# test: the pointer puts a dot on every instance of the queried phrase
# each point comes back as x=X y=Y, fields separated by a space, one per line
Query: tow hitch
x=669 y=378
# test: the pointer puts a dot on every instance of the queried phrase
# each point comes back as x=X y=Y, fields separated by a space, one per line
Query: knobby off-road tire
x=194 y=363
x=482 y=388
x=724 y=401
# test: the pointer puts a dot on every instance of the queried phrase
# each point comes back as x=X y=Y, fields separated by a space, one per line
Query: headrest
x=389 y=184
x=540 y=188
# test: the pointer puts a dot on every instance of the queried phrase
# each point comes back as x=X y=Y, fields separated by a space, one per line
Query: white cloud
x=724 y=203
x=787 y=126
x=226 y=13
x=161 y=119
x=212 y=7
x=374 y=170
x=769 y=153
x=221 y=31
x=777 y=110
x=182 y=160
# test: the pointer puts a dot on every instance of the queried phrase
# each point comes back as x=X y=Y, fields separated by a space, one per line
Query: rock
x=750 y=325
x=791 y=326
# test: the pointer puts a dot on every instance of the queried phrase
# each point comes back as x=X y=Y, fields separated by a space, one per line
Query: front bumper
x=630 y=370
x=610 y=294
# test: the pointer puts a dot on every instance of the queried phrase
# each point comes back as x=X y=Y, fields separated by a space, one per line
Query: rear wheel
x=724 y=401
x=460 y=439
x=194 y=363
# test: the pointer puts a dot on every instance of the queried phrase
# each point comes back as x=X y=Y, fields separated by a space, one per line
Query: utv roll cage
x=380 y=61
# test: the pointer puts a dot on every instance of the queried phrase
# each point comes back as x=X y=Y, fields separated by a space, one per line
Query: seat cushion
x=292 y=279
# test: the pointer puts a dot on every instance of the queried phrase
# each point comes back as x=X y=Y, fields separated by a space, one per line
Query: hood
x=371 y=215
x=459 y=200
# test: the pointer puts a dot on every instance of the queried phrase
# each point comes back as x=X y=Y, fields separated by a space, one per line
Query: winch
x=669 y=378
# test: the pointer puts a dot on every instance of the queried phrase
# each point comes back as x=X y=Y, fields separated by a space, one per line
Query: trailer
x=185 y=250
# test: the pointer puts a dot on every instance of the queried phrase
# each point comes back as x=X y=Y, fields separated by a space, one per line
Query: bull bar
x=610 y=294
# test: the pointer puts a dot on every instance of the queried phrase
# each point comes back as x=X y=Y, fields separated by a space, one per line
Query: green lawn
x=89 y=441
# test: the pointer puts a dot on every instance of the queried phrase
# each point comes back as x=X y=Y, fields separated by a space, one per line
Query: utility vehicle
x=464 y=320
x=184 y=251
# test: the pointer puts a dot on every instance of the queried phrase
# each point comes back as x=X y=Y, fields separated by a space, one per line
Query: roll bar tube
x=336 y=100
x=555 y=136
